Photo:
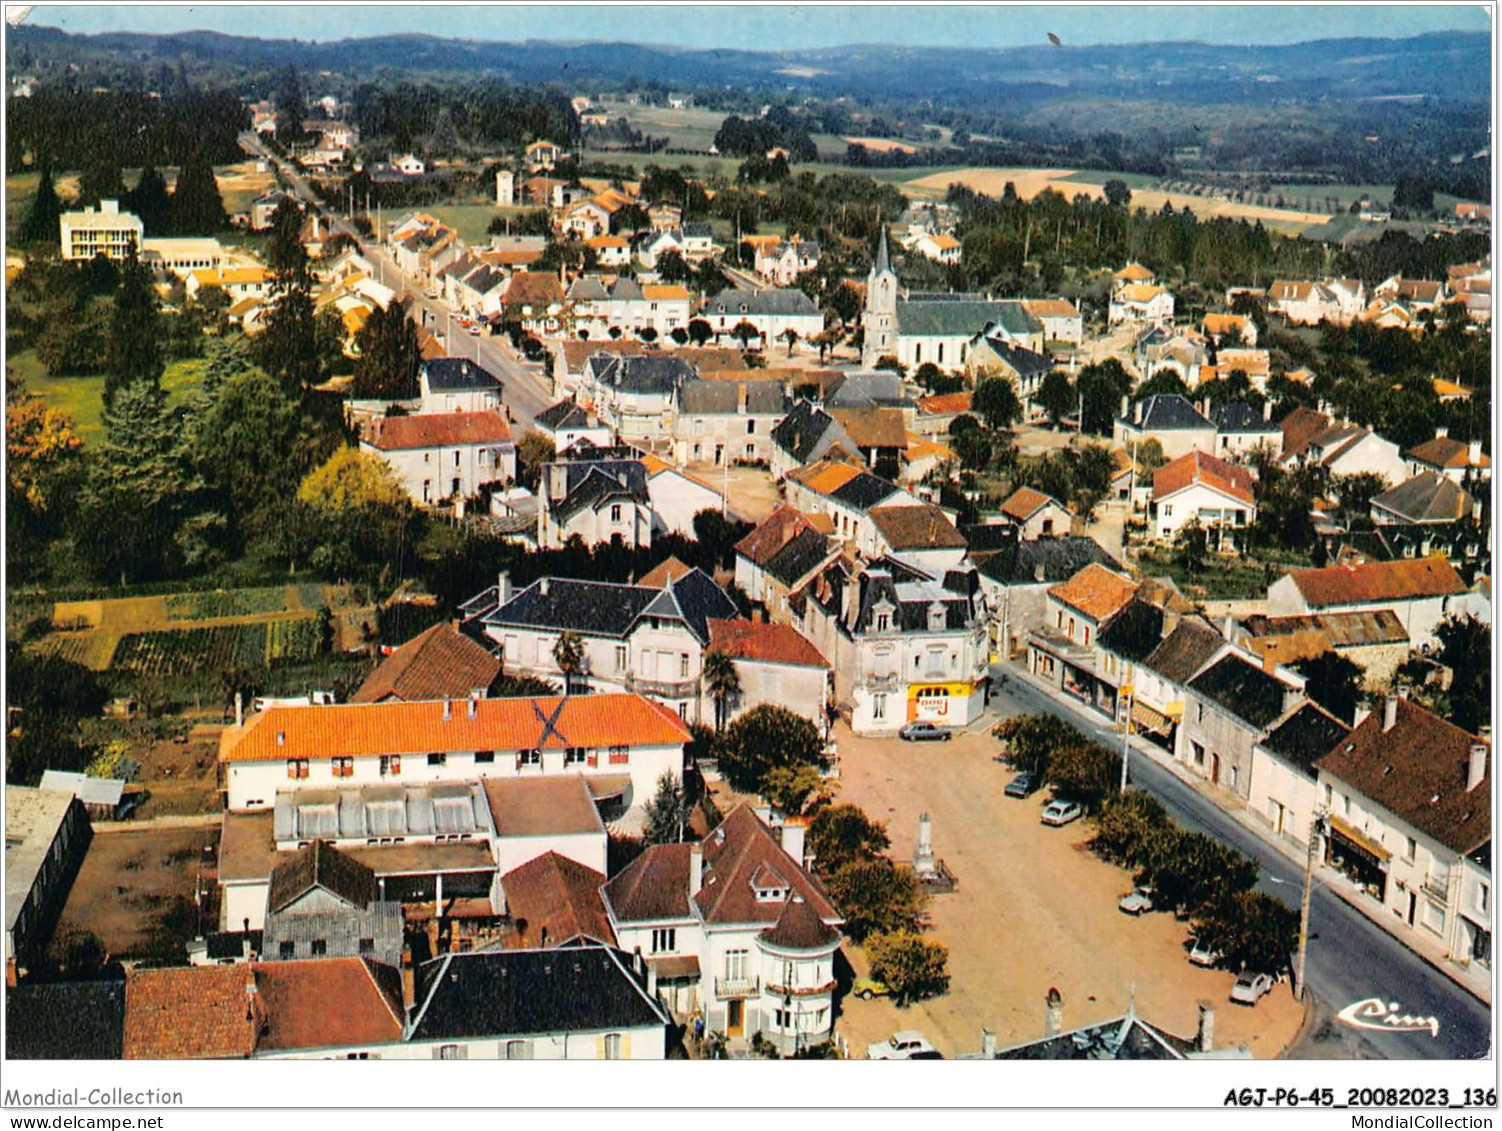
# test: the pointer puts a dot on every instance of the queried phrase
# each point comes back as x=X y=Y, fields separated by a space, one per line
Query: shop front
x=1362 y=860
x=945 y=704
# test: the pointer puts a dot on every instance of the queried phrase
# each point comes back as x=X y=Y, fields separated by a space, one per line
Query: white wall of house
x=620 y=517
x=1049 y=521
x=736 y=965
x=244 y=901
x=1371 y=454
x=947 y=351
x=676 y=499
x=1419 y=616
x=585 y=848
x=801 y=689
x=644 y=1043
x=720 y=437
x=1205 y=505
x=1175 y=442
x=430 y=475
x=1282 y=797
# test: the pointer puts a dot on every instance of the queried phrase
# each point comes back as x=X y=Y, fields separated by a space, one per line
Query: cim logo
x=1385 y=1017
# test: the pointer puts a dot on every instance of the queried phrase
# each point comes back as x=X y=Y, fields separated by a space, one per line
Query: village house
x=597 y=500
x=105 y=230
x=1015 y=576
x=322 y=903
x=1420 y=592
x=1060 y=319
x=847 y=495
x=543 y=155
x=1350 y=449
x=906 y=645
x=676 y=497
x=1181 y=351
x=921 y=535
x=1035 y=515
x=995 y=358
x=1230 y=330
x=566 y=423
x=1140 y=302
x=444 y=456
x=47 y=833
x=781 y=557
x=635 y=395
x=457 y=384
x=534 y=299
x=610 y=251
x=1454 y=459
x=599 y=305
x=780 y=262
x=775 y=665
x=773 y=312
x=1216 y=496
x=937 y=411
x=1408 y=796
x=236 y=283
x=1063 y=649
x=1240 y=429
x=438 y=663
x=644 y=638
x=941 y=247
x=1229 y=708
x=1309 y=303
x=736 y=928
x=724 y=421
x=1284 y=788
x=1427 y=502
x=1170 y=419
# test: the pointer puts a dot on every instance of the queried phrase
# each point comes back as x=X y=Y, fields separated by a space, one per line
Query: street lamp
x=1316 y=832
x=1126 y=734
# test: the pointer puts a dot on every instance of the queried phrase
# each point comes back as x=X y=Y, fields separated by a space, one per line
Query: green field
x=471 y=221
x=82 y=398
x=185 y=651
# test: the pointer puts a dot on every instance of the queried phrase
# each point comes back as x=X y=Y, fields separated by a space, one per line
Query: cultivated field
x=1030 y=182
x=881 y=144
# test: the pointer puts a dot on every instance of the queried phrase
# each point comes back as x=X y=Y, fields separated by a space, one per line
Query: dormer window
x=771 y=895
x=936 y=617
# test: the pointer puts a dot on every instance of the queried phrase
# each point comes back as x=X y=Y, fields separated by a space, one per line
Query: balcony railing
x=680 y=689
x=800 y=991
x=888 y=682
x=737 y=987
x=1437 y=888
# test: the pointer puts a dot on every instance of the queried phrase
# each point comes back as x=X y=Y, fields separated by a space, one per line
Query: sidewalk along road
x=1350 y=958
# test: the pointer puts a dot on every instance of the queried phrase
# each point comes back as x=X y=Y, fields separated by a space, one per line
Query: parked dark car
x=1022 y=786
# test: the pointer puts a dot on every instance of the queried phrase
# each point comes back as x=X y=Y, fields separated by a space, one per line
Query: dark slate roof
x=1028 y=363
x=1166 y=412
x=990 y=537
x=946 y=317
x=879 y=584
x=1305 y=737
x=1427 y=497
x=698 y=229
x=771 y=300
x=1240 y=417
x=1184 y=651
x=1059 y=558
x=799 y=557
x=321 y=865
x=1243 y=689
x=863 y=491
x=458 y=374
x=65 y=1021
x=879 y=389
x=1124 y=1038
x=603 y=608
x=589 y=482
x=653 y=373
x=800 y=430
x=522 y=992
x=1134 y=632
x=704 y=398
x=883 y=263
x=564 y=414
x=1012 y=316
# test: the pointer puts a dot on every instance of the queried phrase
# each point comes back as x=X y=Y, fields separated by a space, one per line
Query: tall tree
x=135 y=342
x=288 y=347
x=723 y=682
x=100 y=178
x=996 y=401
x=667 y=812
x=389 y=356
x=1334 y=682
x=762 y=739
x=197 y=208
x=42 y=464
x=568 y=654
x=842 y=834
x=40 y=224
x=133 y=498
x=291 y=106
x=150 y=201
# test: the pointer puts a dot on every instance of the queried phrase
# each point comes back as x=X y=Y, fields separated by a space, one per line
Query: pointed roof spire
x=883 y=263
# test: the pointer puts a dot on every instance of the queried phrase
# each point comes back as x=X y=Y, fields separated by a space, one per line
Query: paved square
x=1034 y=909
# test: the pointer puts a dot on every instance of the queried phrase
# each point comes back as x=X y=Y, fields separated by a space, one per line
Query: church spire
x=883 y=263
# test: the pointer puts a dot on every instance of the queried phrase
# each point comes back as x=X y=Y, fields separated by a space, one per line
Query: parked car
x=1250 y=987
x=1022 y=786
x=924 y=732
x=908 y=1044
x=868 y=988
x=1060 y=813
x=1136 y=901
x=1202 y=954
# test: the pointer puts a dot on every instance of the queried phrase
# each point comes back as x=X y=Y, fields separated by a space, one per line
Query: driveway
x=1034 y=909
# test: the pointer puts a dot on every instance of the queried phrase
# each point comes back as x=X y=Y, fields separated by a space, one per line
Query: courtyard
x=1034 y=910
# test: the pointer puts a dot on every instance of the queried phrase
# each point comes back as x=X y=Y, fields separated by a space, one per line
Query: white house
x=775 y=665
x=780 y=262
x=237 y=283
x=599 y=500
x=1455 y=460
x=1284 y=787
x=723 y=421
x=941 y=247
x=737 y=928
x=566 y=423
x=1061 y=320
x=676 y=497
x=772 y=312
x=457 y=384
x=1202 y=489
x=103 y=230
x=1170 y=419
x=1422 y=592
x=1141 y=302
x=445 y=455
x=1035 y=515
x=635 y=395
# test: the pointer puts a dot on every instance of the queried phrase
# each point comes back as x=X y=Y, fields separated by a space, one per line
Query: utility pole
x=1316 y=831
x=1126 y=736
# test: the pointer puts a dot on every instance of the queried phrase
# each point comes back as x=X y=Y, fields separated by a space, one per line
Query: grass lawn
x=1236 y=578
x=471 y=221
x=82 y=398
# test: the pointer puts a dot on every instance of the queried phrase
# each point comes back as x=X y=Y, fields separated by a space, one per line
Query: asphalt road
x=525 y=391
x=1349 y=959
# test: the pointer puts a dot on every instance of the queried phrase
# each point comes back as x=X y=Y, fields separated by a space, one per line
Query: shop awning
x=679 y=966
x=1359 y=841
x=1146 y=718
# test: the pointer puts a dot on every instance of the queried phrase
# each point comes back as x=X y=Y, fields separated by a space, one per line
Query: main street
x=1350 y=958
x=526 y=391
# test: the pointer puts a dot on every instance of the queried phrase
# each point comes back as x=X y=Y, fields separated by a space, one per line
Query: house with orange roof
x=937 y=411
x=1310 y=302
x=237 y=283
x=941 y=247
x=444 y=456
x=782 y=556
x=1422 y=592
x=1035 y=515
x=610 y=251
x=775 y=664
x=543 y=154
x=1455 y=460
x=1230 y=329
x=846 y=493
x=1205 y=490
x=924 y=457
x=677 y=496
x=1141 y=302
x=1131 y=274
x=1061 y=319
x=1062 y=650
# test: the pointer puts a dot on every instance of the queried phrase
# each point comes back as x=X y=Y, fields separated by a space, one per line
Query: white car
x=900 y=1046
x=1202 y=954
x=1136 y=901
x=1250 y=987
x=1060 y=813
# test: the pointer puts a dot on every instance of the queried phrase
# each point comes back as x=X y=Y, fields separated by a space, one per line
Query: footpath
x=1474 y=980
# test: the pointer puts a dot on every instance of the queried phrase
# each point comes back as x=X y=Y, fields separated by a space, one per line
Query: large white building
x=444 y=455
x=104 y=230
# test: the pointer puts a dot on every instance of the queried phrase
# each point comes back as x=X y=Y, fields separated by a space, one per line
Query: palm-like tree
x=568 y=654
x=723 y=682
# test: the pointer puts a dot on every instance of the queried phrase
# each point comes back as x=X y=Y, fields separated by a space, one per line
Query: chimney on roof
x=474 y=708
x=1267 y=410
x=1137 y=413
x=793 y=832
x=503 y=587
x=1204 y=406
x=1228 y=628
x=1473 y=453
x=1476 y=767
x=1389 y=712
x=239 y=708
x=1205 y=1039
x=1039 y=575
x=987 y=1044
x=542 y=587
x=1053 y=1013
x=1125 y=405
x=695 y=870
x=448 y=710
x=1442 y=432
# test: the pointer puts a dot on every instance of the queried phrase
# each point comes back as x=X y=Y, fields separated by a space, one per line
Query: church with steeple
x=939 y=327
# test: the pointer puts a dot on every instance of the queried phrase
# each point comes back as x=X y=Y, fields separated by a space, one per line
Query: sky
x=785 y=26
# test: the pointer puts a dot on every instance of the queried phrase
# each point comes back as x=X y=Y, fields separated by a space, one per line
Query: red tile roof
x=534 y=288
x=1024 y=502
x=439 y=430
x=942 y=404
x=329 y=1003
x=734 y=852
x=556 y=805
x=1095 y=591
x=777 y=530
x=1374 y=582
x=921 y=527
x=768 y=643
x=1207 y=471
x=1445 y=452
x=191 y=1013
x=652 y=887
x=1418 y=772
x=799 y=928
x=661 y=574
x=441 y=663
x=369 y=729
x=558 y=895
x=1301 y=426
